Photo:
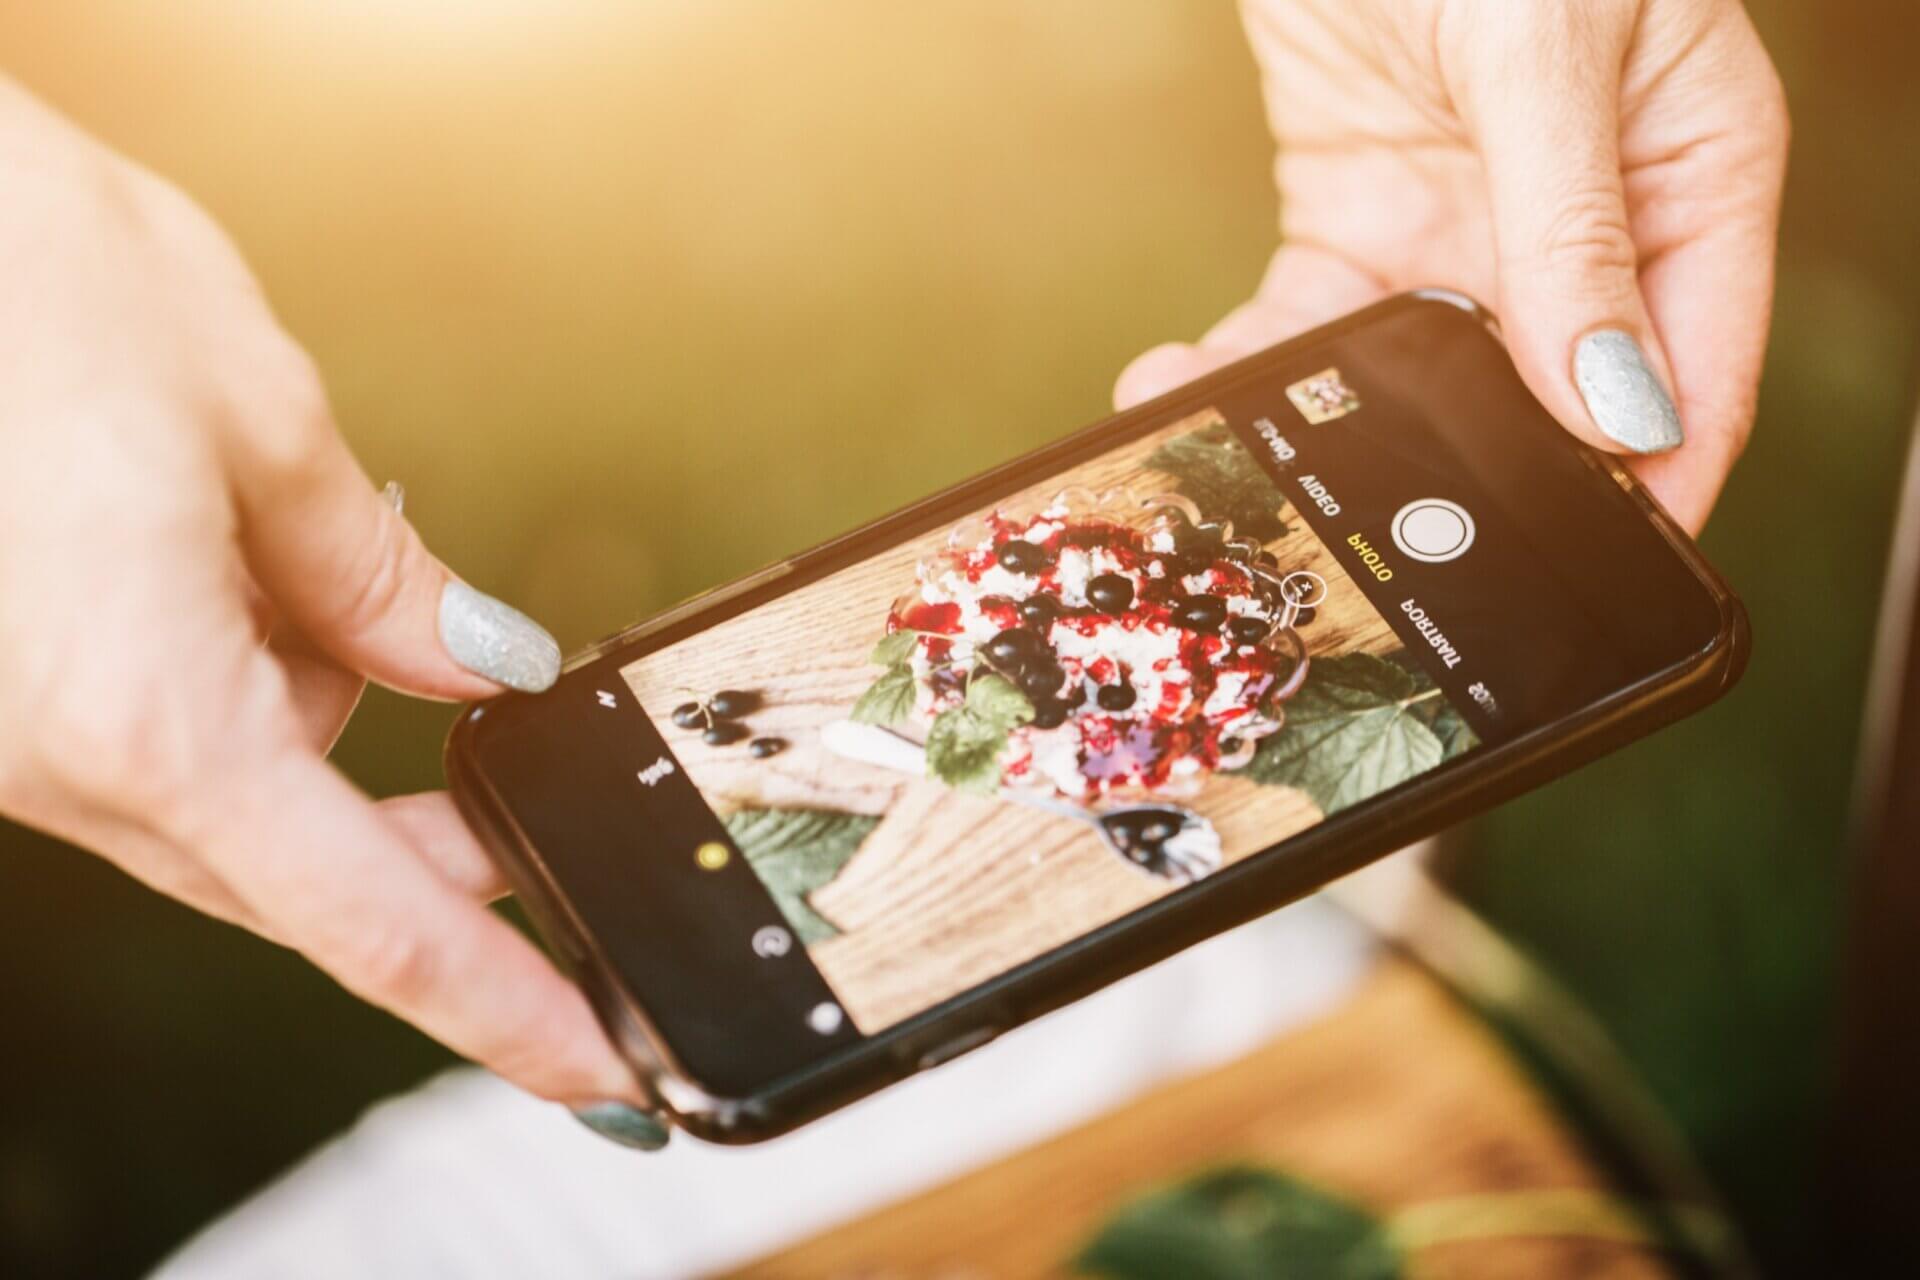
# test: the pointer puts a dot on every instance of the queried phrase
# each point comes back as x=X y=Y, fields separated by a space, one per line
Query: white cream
x=1144 y=653
x=1074 y=570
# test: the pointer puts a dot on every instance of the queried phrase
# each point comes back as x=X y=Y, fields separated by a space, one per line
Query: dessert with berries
x=1148 y=653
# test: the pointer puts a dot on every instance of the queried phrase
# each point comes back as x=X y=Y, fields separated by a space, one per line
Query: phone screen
x=976 y=738
x=982 y=742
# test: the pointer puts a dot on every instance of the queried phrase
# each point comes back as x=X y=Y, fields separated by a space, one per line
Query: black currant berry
x=732 y=703
x=761 y=748
x=1200 y=613
x=1246 y=630
x=1116 y=697
x=1229 y=746
x=1049 y=713
x=1188 y=563
x=689 y=715
x=1015 y=648
x=1038 y=611
x=1041 y=679
x=1110 y=593
x=1088 y=535
x=1076 y=693
x=1022 y=556
x=722 y=732
x=1303 y=617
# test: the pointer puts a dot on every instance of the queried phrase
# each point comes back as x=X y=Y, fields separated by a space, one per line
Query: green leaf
x=1352 y=731
x=964 y=745
x=1455 y=734
x=794 y=852
x=893 y=648
x=963 y=750
x=996 y=700
x=887 y=700
x=1224 y=480
x=1438 y=714
x=1242 y=1223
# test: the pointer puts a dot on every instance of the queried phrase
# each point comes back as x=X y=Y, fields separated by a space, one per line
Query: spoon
x=1164 y=840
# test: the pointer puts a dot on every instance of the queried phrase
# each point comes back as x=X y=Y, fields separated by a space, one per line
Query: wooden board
x=949 y=889
x=1399 y=1101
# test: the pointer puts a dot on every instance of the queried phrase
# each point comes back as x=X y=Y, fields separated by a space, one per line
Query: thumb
x=349 y=571
x=1304 y=285
x=1569 y=287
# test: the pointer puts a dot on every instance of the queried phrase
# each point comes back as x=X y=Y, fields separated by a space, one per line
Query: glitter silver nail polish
x=629 y=1126
x=394 y=494
x=496 y=640
x=1623 y=394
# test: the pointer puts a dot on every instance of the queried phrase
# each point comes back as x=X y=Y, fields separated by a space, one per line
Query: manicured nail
x=395 y=496
x=1623 y=394
x=629 y=1126
x=496 y=640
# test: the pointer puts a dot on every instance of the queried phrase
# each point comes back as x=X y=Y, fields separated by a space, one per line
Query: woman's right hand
x=1607 y=173
x=195 y=580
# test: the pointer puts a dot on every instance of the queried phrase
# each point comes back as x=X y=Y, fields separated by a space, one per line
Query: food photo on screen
x=987 y=741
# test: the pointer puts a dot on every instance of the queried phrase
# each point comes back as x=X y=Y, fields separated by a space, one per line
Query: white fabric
x=468 y=1177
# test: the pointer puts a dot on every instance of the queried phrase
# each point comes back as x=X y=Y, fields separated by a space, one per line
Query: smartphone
x=867 y=809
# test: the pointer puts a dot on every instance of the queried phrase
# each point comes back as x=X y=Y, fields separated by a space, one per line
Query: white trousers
x=468 y=1177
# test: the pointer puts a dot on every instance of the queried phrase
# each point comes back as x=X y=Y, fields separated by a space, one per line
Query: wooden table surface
x=1400 y=1102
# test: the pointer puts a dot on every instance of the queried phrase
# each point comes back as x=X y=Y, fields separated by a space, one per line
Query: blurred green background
x=636 y=297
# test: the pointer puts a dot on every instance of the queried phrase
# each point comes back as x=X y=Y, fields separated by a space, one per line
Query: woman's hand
x=1607 y=174
x=195 y=578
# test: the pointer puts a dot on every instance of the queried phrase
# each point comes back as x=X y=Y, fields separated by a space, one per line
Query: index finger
x=1705 y=207
x=1711 y=299
x=313 y=858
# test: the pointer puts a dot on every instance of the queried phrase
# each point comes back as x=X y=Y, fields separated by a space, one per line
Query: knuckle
x=1587 y=245
x=1732 y=417
x=287 y=421
x=1773 y=118
x=296 y=384
x=1738 y=438
x=378 y=582
x=553 y=1051
x=120 y=753
x=528 y=1061
x=147 y=753
x=389 y=962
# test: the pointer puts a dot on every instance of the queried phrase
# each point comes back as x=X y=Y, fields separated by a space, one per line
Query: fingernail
x=496 y=640
x=627 y=1125
x=1623 y=394
x=395 y=496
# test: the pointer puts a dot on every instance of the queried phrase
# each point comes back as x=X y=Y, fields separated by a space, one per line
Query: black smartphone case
x=1240 y=892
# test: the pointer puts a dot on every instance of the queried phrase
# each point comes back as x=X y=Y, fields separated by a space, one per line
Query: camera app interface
x=985 y=742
